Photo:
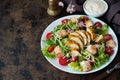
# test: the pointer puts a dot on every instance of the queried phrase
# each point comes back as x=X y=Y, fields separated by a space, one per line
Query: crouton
x=86 y=65
x=88 y=23
x=74 y=20
x=92 y=49
x=63 y=33
x=58 y=52
x=110 y=43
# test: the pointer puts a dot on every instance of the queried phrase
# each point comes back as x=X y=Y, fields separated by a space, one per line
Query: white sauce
x=95 y=6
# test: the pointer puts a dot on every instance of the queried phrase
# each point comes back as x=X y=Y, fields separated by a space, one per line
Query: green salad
x=79 y=43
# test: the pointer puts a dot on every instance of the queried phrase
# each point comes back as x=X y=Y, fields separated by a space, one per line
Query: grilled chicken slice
x=91 y=31
x=110 y=43
x=88 y=23
x=92 y=49
x=74 y=53
x=86 y=65
x=76 y=34
x=78 y=40
x=89 y=37
x=72 y=44
x=84 y=36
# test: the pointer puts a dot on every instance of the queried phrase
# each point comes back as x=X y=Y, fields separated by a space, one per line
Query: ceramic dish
x=95 y=8
x=55 y=63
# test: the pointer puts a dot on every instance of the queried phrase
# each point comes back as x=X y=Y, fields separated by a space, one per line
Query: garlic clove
x=71 y=8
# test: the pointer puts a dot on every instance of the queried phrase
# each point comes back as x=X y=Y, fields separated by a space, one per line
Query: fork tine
x=117 y=66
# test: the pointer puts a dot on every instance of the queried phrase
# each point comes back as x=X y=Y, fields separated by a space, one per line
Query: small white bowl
x=95 y=8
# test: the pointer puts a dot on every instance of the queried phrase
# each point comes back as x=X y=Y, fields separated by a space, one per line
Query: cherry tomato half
x=98 y=25
x=84 y=18
x=108 y=37
x=51 y=48
x=64 y=21
x=49 y=35
x=63 y=61
x=109 y=50
x=92 y=63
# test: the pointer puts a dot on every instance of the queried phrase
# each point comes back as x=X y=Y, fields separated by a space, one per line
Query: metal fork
x=106 y=73
x=117 y=66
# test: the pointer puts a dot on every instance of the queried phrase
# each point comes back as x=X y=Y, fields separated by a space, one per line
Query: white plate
x=55 y=63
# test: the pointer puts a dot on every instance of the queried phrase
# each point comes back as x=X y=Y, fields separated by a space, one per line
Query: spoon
x=106 y=73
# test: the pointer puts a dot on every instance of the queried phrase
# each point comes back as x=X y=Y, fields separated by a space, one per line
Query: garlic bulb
x=71 y=8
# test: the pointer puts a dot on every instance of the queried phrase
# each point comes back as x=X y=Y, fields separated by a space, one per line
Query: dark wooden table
x=22 y=23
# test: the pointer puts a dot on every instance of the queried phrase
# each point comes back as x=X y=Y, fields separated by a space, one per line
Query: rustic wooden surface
x=21 y=25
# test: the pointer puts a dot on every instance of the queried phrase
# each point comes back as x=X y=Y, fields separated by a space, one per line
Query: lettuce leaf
x=75 y=66
x=101 y=58
x=103 y=30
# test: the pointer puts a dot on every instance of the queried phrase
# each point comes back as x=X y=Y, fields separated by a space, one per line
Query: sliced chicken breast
x=89 y=37
x=91 y=31
x=78 y=41
x=84 y=36
x=76 y=34
x=72 y=44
